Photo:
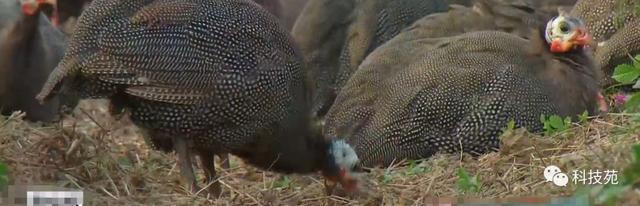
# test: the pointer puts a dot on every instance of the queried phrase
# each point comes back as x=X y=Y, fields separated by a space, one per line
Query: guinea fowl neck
x=26 y=27
x=573 y=76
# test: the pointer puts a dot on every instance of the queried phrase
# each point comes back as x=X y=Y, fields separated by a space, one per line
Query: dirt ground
x=109 y=161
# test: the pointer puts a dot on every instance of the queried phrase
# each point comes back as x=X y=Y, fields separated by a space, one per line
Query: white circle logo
x=550 y=171
x=560 y=179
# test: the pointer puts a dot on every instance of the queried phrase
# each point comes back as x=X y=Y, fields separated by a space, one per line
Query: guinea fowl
x=286 y=11
x=615 y=27
x=413 y=98
x=336 y=35
x=202 y=76
x=320 y=32
x=30 y=48
x=71 y=8
x=512 y=16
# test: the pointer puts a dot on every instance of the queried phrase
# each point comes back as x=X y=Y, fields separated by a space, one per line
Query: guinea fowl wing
x=618 y=47
x=413 y=98
x=614 y=25
x=604 y=17
x=405 y=90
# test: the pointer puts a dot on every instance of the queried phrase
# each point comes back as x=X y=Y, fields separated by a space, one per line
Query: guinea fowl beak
x=348 y=182
x=31 y=7
x=579 y=38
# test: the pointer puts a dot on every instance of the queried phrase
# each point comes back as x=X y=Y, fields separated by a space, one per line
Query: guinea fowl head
x=565 y=33
x=32 y=7
x=569 y=41
x=341 y=164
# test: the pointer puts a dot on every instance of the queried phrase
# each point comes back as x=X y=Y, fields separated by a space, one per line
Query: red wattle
x=556 y=46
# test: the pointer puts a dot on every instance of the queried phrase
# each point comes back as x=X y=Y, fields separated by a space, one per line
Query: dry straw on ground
x=108 y=159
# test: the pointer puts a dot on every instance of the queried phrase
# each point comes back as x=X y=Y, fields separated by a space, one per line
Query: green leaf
x=467 y=183
x=584 y=117
x=4 y=175
x=282 y=183
x=610 y=193
x=385 y=178
x=125 y=162
x=636 y=153
x=415 y=167
x=556 y=122
x=511 y=125
x=636 y=62
x=633 y=104
x=637 y=85
x=567 y=122
x=631 y=173
x=626 y=74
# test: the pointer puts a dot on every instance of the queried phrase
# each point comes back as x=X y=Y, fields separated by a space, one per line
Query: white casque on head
x=344 y=155
x=562 y=27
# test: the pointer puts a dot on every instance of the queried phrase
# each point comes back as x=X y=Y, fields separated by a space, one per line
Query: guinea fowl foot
x=224 y=161
x=208 y=165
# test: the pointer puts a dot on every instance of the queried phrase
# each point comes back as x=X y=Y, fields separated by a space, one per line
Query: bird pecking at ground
x=201 y=77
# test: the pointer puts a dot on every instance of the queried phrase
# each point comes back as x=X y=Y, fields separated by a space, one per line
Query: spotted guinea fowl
x=71 y=8
x=285 y=10
x=376 y=22
x=617 y=49
x=413 y=98
x=30 y=47
x=202 y=76
x=336 y=35
x=512 y=16
x=320 y=33
x=615 y=27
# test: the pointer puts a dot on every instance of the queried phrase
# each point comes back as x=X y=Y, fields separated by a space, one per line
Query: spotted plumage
x=415 y=96
x=614 y=24
x=200 y=76
x=336 y=35
x=605 y=17
x=515 y=17
x=375 y=22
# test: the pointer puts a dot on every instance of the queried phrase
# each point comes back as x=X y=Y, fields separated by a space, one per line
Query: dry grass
x=108 y=159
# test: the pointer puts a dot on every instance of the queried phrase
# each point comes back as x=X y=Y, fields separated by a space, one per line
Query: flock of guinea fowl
x=345 y=84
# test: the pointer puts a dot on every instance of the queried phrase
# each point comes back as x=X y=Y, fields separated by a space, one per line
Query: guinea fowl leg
x=184 y=162
x=208 y=165
x=224 y=160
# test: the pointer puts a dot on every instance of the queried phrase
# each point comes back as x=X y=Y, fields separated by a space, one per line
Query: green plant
x=467 y=183
x=4 y=175
x=282 y=183
x=415 y=168
x=584 y=117
x=555 y=124
x=511 y=125
x=386 y=177
x=630 y=176
x=629 y=74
